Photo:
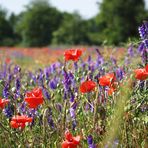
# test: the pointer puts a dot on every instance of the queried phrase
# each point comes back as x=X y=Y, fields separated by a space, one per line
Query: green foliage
x=41 y=24
x=13 y=20
x=73 y=30
x=6 y=31
x=38 y=22
x=119 y=19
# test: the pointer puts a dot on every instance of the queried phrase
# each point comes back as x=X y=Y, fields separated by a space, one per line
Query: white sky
x=86 y=8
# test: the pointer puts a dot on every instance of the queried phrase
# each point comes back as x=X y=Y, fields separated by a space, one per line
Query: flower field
x=79 y=97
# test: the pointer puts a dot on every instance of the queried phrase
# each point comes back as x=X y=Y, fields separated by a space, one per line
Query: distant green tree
x=38 y=23
x=119 y=19
x=73 y=30
x=6 y=30
x=13 y=20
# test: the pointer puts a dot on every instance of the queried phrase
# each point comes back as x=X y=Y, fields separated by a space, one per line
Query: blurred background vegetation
x=41 y=24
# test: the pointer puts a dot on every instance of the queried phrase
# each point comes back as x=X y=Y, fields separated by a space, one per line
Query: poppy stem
x=64 y=114
x=44 y=125
x=2 y=126
x=12 y=135
x=95 y=109
x=145 y=85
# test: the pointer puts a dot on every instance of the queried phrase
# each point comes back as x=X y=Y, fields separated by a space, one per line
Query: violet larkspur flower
x=53 y=83
x=41 y=80
x=141 y=85
x=46 y=94
x=59 y=107
x=22 y=108
x=141 y=47
x=130 y=51
x=68 y=81
x=72 y=112
x=53 y=68
x=47 y=73
x=10 y=77
x=6 y=90
x=145 y=56
x=4 y=72
x=127 y=61
x=83 y=65
x=90 y=142
x=34 y=78
x=89 y=59
x=100 y=59
x=49 y=118
x=76 y=66
x=143 y=30
x=17 y=84
x=9 y=111
x=120 y=73
x=114 y=61
x=74 y=124
x=72 y=97
x=65 y=95
x=146 y=43
x=16 y=69
x=89 y=139
x=50 y=121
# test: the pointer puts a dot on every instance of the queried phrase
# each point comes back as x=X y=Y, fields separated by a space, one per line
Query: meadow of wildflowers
x=92 y=102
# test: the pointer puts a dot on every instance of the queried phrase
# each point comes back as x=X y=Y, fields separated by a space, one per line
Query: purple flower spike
x=50 y=121
x=141 y=47
x=46 y=94
x=144 y=55
x=89 y=59
x=59 y=107
x=130 y=51
x=146 y=43
x=74 y=124
x=8 y=111
x=76 y=66
x=90 y=139
x=53 y=84
x=142 y=32
x=17 y=84
x=47 y=73
x=90 y=142
x=98 y=52
x=16 y=69
x=10 y=77
x=72 y=113
x=114 y=61
x=120 y=73
x=72 y=97
x=6 y=91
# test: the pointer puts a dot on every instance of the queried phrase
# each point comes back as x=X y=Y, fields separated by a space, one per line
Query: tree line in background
x=41 y=24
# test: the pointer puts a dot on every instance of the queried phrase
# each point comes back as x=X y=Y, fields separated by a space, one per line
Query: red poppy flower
x=34 y=98
x=72 y=54
x=3 y=103
x=146 y=67
x=107 y=80
x=142 y=73
x=8 y=60
x=111 y=90
x=70 y=142
x=19 y=121
x=87 y=86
